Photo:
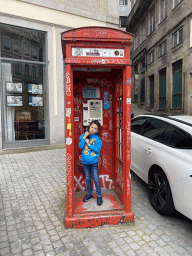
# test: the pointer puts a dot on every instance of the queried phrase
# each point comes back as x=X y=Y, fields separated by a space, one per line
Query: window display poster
x=23 y=116
x=13 y=87
x=35 y=88
x=14 y=101
x=35 y=101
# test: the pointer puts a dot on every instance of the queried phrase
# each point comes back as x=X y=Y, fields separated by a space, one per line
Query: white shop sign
x=97 y=52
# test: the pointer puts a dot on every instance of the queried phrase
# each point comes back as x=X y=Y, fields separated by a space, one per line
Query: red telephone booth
x=98 y=86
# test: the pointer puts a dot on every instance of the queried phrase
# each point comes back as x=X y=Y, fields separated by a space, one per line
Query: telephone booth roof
x=96 y=34
x=96 y=37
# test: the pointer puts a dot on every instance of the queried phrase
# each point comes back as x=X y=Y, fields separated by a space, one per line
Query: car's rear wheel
x=160 y=193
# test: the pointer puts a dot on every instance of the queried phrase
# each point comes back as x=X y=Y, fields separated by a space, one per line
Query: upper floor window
x=122 y=2
x=34 y=53
x=177 y=37
x=6 y=43
x=151 y=57
x=122 y=21
x=136 y=41
x=143 y=31
x=162 y=48
x=176 y=2
x=163 y=9
x=152 y=20
x=27 y=51
x=17 y=48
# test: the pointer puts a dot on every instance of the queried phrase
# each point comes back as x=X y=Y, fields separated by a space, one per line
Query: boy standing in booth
x=90 y=144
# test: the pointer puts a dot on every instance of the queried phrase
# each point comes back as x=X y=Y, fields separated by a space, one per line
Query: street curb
x=30 y=149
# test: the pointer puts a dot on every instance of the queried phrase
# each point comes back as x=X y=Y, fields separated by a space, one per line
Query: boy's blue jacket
x=90 y=155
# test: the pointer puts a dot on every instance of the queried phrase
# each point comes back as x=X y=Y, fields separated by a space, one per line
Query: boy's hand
x=86 y=134
x=87 y=142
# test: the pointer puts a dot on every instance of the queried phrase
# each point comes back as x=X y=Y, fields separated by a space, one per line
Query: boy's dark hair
x=97 y=123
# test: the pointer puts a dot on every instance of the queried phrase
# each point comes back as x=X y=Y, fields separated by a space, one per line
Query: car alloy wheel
x=159 y=192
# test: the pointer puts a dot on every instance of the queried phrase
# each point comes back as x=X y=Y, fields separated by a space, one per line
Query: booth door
x=119 y=137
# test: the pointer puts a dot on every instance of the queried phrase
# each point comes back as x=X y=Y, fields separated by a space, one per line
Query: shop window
x=142 y=82
x=177 y=37
x=152 y=90
x=162 y=49
x=24 y=105
x=177 y=85
x=23 y=87
x=162 y=88
x=135 y=86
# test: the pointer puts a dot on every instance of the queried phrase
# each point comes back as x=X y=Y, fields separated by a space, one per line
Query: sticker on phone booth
x=106 y=100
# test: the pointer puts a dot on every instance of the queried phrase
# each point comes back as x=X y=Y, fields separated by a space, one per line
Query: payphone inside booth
x=98 y=87
x=92 y=110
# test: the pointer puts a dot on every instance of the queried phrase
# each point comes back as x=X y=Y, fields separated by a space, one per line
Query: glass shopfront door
x=24 y=90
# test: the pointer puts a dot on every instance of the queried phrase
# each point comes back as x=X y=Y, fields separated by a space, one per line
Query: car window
x=137 y=123
x=153 y=128
x=180 y=139
x=165 y=136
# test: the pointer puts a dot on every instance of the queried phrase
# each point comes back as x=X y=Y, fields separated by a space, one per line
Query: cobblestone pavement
x=32 y=192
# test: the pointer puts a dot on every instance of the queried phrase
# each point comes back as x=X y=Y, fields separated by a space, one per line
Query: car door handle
x=148 y=150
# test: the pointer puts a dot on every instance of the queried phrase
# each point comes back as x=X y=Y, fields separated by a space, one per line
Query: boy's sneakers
x=99 y=200
x=87 y=197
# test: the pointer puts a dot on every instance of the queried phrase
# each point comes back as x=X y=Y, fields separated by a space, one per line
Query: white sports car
x=161 y=155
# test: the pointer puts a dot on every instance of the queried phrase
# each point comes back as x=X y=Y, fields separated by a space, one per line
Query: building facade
x=32 y=103
x=162 y=55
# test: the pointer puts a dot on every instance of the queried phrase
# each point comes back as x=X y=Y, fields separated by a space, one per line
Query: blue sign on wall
x=106 y=100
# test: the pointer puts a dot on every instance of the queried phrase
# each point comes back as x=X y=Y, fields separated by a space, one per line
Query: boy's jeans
x=88 y=169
